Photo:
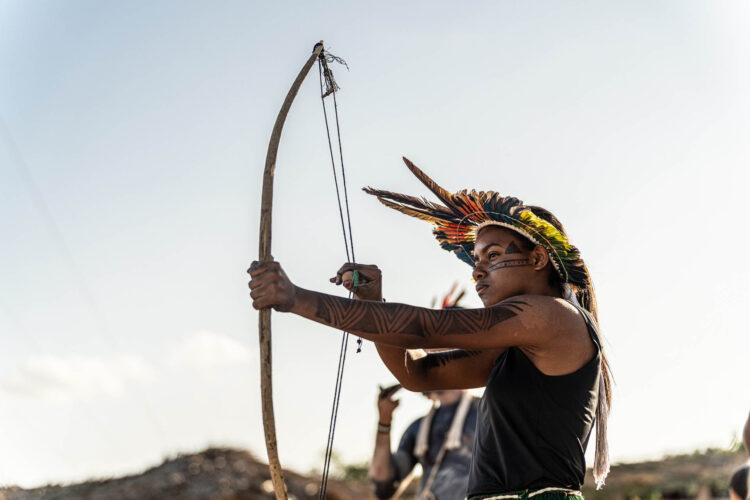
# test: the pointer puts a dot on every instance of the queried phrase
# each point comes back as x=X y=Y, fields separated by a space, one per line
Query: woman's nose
x=478 y=273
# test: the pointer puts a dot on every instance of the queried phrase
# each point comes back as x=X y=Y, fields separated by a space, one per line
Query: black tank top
x=532 y=428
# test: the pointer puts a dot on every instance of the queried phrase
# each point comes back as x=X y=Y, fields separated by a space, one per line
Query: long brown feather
x=413 y=201
x=444 y=196
x=420 y=213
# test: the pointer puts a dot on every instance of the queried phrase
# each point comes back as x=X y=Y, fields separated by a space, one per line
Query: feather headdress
x=456 y=223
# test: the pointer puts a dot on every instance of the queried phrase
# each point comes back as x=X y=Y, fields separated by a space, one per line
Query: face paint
x=512 y=248
x=509 y=263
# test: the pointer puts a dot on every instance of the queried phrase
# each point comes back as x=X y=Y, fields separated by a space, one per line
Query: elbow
x=413 y=376
x=383 y=491
x=416 y=386
x=407 y=382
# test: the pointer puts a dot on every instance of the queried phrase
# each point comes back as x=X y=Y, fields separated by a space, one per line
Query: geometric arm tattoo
x=377 y=318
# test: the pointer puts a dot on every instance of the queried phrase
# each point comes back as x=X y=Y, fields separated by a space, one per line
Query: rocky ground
x=700 y=475
x=230 y=474
x=215 y=474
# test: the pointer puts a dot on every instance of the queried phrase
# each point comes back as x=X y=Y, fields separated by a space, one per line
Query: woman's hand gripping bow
x=270 y=287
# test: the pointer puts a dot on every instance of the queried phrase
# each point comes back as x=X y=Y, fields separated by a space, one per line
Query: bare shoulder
x=553 y=323
x=544 y=312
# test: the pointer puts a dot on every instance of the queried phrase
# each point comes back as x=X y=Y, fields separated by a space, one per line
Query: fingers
x=347 y=279
x=388 y=391
x=258 y=268
x=338 y=279
x=261 y=298
x=367 y=273
x=271 y=295
x=260 y=274
x=259 y=290
x=265 y=293
x=362 y=268
x=269 y=286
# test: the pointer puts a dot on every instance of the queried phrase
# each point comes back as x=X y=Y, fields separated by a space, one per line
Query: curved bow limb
x=264 y=317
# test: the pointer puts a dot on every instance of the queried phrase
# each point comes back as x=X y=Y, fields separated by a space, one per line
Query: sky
x=132 y=143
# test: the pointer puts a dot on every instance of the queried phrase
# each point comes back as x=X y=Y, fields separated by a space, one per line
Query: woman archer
x=535 y=345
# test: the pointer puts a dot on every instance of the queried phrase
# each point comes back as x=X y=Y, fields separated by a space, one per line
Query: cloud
x=208 y=349
x=53 y=377
x=77 y=378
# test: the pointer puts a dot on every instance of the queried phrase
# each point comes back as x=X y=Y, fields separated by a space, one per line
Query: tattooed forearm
x=509 y=263
x=378 y=318
x=443 y=358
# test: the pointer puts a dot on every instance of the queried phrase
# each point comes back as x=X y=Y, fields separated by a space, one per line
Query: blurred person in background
x=441 y=442
x=739 y=484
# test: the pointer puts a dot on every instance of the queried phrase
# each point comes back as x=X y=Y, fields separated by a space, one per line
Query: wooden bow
x=264 y=317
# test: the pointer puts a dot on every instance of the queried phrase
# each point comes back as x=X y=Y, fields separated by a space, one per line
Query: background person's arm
x=399 y=464
x=381 y=466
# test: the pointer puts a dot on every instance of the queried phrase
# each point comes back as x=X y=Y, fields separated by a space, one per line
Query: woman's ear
x=539 y=258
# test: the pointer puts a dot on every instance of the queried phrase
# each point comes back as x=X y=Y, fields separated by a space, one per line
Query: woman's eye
x=492 y=255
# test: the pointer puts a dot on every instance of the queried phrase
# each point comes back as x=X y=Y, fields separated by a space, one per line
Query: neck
x=545 y=290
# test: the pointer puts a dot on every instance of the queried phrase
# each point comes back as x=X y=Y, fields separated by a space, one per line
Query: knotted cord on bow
x=264 y=318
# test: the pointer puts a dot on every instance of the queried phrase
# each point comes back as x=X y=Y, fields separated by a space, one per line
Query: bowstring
x=331 y=88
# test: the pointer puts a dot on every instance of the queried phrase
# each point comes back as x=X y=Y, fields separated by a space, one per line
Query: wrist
x=363 y=295
x=298 y=301
x=385 y=420
x=384 y=428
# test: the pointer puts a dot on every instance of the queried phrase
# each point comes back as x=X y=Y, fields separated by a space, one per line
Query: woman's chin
x=490 y=301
